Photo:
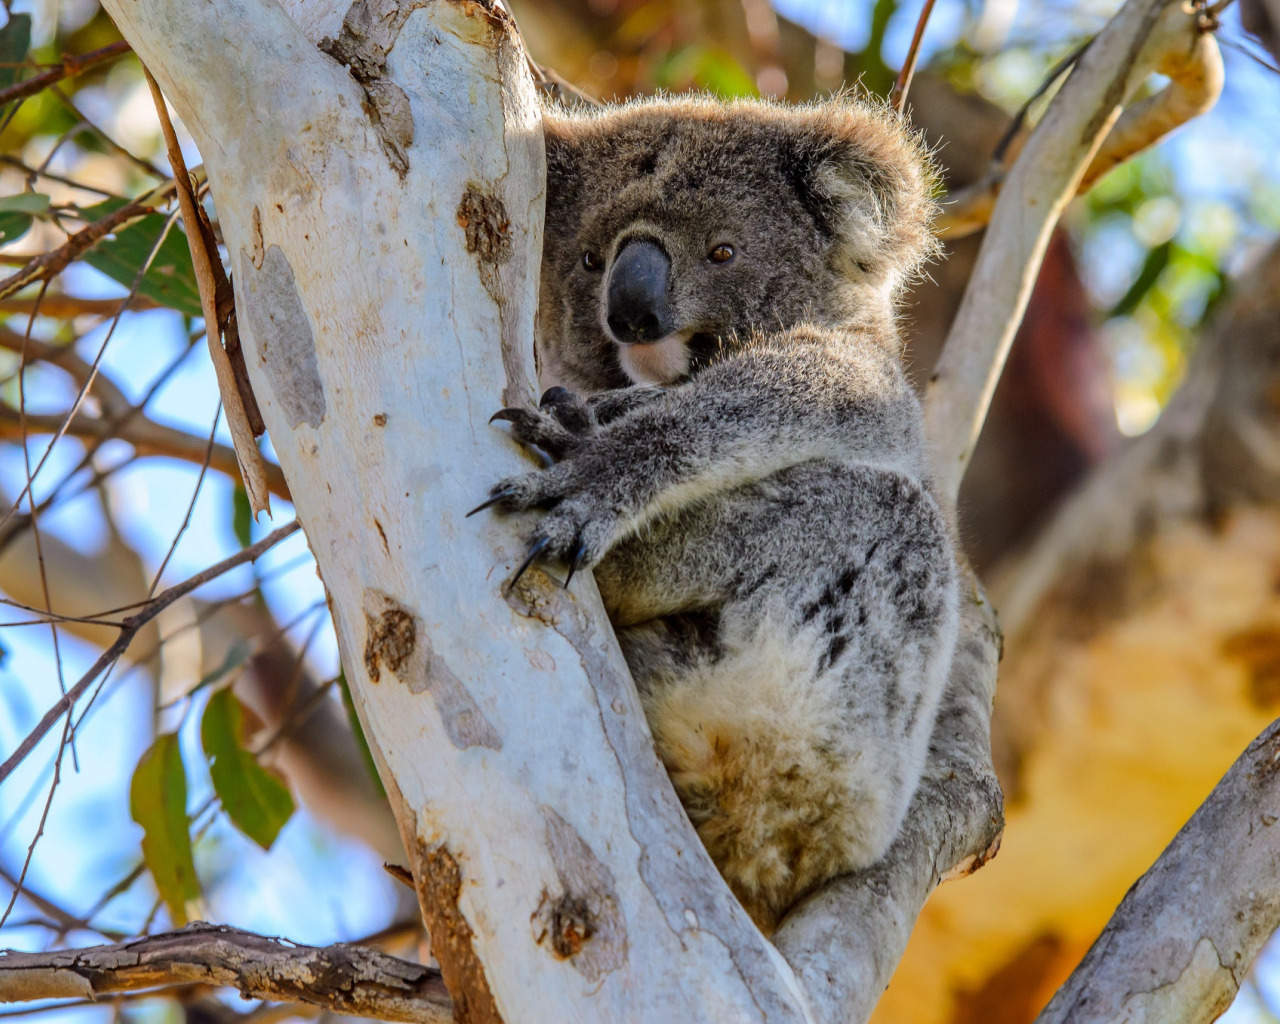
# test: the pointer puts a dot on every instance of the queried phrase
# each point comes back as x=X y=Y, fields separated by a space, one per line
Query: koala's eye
x=721 y=254
x=592 y=261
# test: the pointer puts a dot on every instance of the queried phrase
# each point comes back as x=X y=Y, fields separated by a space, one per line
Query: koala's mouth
x=668 y=359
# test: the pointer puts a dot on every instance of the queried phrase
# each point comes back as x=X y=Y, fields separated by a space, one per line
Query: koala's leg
x=797 y=740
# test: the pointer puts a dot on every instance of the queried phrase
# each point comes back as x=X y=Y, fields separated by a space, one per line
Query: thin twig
x=70 y=65
x=97 y=360
x=49 y=265
x=129 y=628
x=195 y=496
x=898 y=97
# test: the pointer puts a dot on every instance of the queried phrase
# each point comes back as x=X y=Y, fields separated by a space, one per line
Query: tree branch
x=1137 y=40
x=1184 y=936
x=129 y=627
x=341 y=978
x=70 y=65
x=49 y=265
x=1195 y=83
x=145 y=435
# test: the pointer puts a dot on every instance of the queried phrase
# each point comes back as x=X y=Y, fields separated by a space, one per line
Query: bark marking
x=452 y=941
x=285 y=343
x=583 y=921
x=395 y=640
x=369 y=32
x=483 y=216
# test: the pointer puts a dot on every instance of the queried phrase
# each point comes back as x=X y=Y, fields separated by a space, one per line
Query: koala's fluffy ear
x=869 y=182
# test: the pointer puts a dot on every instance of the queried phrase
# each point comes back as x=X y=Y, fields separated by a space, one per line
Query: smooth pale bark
x=1186 y=934
x=384 y=235
x=1048 y=173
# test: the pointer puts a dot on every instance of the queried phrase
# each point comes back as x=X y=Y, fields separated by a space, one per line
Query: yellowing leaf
x=158 y=802
x=257 y=802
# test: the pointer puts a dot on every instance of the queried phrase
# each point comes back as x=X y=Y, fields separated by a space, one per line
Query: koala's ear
x=566 y=139
x=868 y=181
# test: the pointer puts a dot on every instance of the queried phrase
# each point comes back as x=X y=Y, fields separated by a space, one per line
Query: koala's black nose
x=638 y=307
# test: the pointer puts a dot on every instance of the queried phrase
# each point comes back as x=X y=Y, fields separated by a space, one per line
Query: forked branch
x=1144 y=35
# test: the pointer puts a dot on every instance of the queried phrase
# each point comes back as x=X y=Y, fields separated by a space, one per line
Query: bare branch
x=1184 y=936
x=70 y=65
x=1195 y=83
x=147 y=438
x=1140 y=38
x=129 y=627
x=898 y=97
x=341 y=978
x=49 y=265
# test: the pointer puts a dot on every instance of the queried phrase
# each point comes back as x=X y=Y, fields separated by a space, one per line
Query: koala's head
x=676 y=225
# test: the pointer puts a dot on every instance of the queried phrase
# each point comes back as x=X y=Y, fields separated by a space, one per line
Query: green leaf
x=158 y=802
x=17 y=213
x=358 y=729
x=242 y=516
x=1152 y=267
x=13 y=226
x=257 y=802
x=24 y=202
x=15 y=42
x=170 y=280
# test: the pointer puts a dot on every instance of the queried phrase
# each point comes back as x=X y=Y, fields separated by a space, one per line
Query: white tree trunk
x=384 y=230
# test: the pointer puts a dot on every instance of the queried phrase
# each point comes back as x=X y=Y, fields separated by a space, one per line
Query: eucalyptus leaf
x=170 y=280
x=257 y=802
x=158 y=802
x=15 y=44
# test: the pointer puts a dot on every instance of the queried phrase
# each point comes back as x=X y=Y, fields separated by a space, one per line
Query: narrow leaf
x=158 y=802
x=13 y=226
x=257 y=802
x=24 y=202
x=170 y=280
x=366 y=754
x=15 y=43
x=242 y=516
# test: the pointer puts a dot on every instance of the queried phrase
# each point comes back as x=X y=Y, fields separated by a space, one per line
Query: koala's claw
x=544 y=428
x=535 y=552
x=576 y=559
x=498 y=495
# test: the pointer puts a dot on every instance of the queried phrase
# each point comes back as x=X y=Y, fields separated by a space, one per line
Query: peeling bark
x=344 y=979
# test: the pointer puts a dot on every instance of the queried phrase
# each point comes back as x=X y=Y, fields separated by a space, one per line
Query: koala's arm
x=747 y=417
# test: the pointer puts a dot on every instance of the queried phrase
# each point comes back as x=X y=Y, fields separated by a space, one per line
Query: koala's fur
x=752 y=489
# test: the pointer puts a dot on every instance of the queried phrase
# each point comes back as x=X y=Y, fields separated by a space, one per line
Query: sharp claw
x=535 y=550
x=510 y=415
x=575 y=561
x=493 y=499
x=553 y=395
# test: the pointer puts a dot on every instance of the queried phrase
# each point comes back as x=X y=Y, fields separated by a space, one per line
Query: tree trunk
x=383 y=225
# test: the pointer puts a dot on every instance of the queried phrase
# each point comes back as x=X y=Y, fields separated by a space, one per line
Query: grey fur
x=757 y=510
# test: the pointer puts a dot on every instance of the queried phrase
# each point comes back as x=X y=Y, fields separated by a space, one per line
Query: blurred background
x=1123 y=506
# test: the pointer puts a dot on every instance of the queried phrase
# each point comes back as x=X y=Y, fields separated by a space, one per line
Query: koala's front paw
x=559 y=426
x=577 y=529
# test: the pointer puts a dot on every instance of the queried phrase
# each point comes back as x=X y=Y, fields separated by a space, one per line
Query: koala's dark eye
x=721 y=254
x=592 y=261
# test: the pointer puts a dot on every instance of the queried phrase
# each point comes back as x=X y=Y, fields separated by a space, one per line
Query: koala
x=737 y=453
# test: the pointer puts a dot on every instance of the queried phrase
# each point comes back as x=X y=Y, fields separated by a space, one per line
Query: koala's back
x=793 y=692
